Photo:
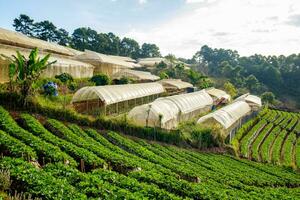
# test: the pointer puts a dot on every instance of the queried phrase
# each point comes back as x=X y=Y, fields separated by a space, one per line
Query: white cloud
x=256 y=26
x=142 y=1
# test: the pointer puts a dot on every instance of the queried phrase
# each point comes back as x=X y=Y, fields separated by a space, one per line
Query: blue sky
x=180 y=27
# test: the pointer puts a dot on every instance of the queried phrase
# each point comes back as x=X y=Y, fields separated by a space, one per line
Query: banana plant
x=25 y=71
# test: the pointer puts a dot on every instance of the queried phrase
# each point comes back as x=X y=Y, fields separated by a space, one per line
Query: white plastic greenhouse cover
x=150 y=62
x=171 y=108
x=8 y=37
x=218 y=93
x=177 y=83
x=62 y=65
x=164 y=107
x=134 y=74
x=250 y=98
x=102 y=58
x=229 y=114
x=111 y=94
x=191 y=101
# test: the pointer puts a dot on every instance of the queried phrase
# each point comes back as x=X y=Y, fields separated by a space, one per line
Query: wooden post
x=82 y=165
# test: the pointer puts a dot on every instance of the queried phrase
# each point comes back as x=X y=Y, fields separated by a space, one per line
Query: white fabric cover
x=151 y=62
x=63 y=64
x=229 y=114
x=93 y=57
x=219 y=94
x=135 y=75
x=175 y=83
x=250 y=99
x=174 y=109
x=110 y=94
x=12 y=38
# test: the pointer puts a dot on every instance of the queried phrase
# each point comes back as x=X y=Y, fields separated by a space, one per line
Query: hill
x=55 y=160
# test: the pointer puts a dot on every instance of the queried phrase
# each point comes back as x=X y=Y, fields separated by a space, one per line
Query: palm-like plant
x=25 y=71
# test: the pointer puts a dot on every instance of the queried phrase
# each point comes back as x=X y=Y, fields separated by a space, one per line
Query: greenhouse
x=115 y=99
x=253 y=101
x=151 y=62
x=219 y=96
x=104 y=63
x=63 y=64
x=140 y=76
x=19 y=40
x=175 y=86
x=229 y=118
x=168 y=112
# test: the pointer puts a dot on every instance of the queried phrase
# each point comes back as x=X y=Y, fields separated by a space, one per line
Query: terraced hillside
x=273 y=137
x=53 y=160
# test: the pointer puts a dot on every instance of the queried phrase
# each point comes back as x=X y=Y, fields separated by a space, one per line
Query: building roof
x=218 y=93
x=229 y=114
x=176 y=83
x=92 y=56
x=19 y=40
x=124 y=58
x=136 y=75
x=111 y=94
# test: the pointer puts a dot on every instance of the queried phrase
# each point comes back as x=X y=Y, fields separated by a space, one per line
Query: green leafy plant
x=101 y=79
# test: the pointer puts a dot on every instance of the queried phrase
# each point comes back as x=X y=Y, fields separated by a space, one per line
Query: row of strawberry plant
x=288 y=149
x=27 y=178
x=15 y=148
x=36 y=128
x=298 y=153
x=46 y=151
x=115 y=160
x=266 y=146
x=258 y=141
x=245 y=142
x=276 y=148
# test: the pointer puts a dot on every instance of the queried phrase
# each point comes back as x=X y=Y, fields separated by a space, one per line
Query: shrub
x=64 y=77
x=101 y=79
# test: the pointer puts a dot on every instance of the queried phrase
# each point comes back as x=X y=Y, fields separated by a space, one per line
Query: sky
x=180 y=27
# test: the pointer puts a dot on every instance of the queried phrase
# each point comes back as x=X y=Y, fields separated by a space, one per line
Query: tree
x=268 y=97
x=101 y=79
x=150 y=51
x=62 y=37
x=24 y=72
x=45 y=30
x=162 y=65
x=130 y=48
x=24 y=24
x=230 y=89
x=252 y=83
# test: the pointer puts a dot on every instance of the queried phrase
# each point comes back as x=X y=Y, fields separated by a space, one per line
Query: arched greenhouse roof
x=111 y=94
x=229 y=114
x=136 y=75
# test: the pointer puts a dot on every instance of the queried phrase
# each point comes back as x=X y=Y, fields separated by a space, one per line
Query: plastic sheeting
x=111 y=94
x=252 y=100
x=228 y=115
x=62 y=65
x=175 y=83
x=95 y=58
x=173 y=109
x=219 y=94
x=19 y=40
x=151 y=62
x=135 y=75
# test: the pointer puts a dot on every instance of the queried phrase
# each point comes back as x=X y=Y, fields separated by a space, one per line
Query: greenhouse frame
x=168 y=112
x=115 y=99
x=229 y=118
x=139 y=76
